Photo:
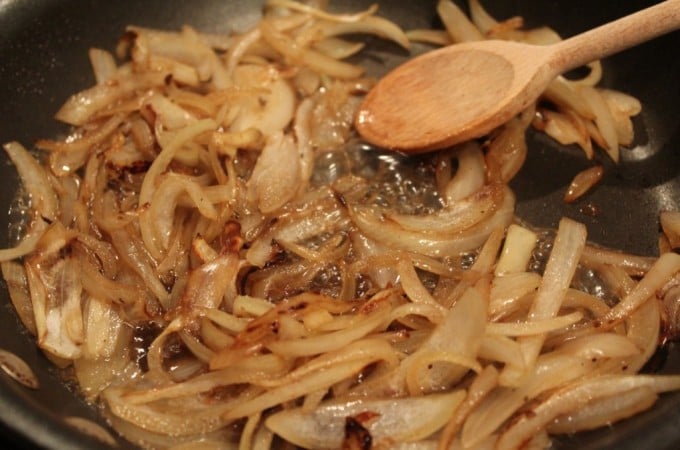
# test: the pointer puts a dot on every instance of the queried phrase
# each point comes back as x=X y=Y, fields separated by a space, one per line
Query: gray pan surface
x=43 y=59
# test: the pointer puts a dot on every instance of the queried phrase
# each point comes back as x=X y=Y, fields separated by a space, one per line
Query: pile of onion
x=221 y=263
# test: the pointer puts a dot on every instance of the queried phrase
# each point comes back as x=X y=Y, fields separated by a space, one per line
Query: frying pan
x=43 y=59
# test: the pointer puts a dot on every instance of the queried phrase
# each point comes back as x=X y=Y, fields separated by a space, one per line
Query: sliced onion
x=670 y=224
x=307 y=56
x=566 y=129
x=34 y=178
x=318 y=12
x=338 y=48
x=550 y=371
x=603 y=119
x=559 y=271
x=508 y=150
x=437 y=244
x=458 y=215
x=604 y=412
x=582 y=183
x=28 y=243
x=17 y=368
x=663 y=269
x=601 y=345
x=535 y=326
x=81 y=107
x=480 y=17
x=270 y=109
x=459 y=27
x=360 y=326
x=400 y=420
x=509 y=290
x=276 y=177
x=460 y=333
x=470 y=174
x=91 y=429
x=575 y=398
x=622 y=108
x=367 y=25
x=313 y=382
x=14 y=275
x=412 y=285
x=517 y=249
x=427 y=36
x=103 y=64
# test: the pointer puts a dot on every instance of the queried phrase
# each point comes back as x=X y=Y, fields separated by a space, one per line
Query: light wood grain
x=464 y=91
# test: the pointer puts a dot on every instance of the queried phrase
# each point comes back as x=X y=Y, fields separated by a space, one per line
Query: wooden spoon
x=464 y=91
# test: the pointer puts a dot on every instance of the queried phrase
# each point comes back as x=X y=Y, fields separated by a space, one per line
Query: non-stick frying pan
x=43 y=59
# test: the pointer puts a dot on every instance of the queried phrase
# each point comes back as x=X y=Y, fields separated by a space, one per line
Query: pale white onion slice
x=338 y=48
x=35 y=180
x=158 y=220
x=69 y=156
x=168 y=113
x=191 y=419
x=457 y=24
x=622 y=107
x=507 y=292
x=566 y=129
x=460 y=334
x=550 y=371
x=534 y=327
x=432 y=244
x=103 y=64
x=320 y=13
x=394 y=420
x=208 y=284
x=605 y=411
x=359 y=326
x=55 y=295
x=17 y=368
x=517 y=249
x=167 y=154
x=566 y=96
x=575 y=398
x=102 y=328
x=307 y=56
x=14 y=275
x=632 y=264
x=373 y=25
x=277 y=174
x=470 y=174
x=458 y=215
x=604 y=120
x=559 y=271
x=28 y=243
x=428 y=36
x=663 y=269
x=600 y=345
x=624 y=103
x=81 y=107
x=412 y=285
x=480 y=17
x=271 y=108
x=91 y=429
x=315 y=381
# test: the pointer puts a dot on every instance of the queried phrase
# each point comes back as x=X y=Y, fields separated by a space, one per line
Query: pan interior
x=43 y=49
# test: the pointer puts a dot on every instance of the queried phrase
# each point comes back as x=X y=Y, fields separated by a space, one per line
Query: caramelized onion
x=221 y=262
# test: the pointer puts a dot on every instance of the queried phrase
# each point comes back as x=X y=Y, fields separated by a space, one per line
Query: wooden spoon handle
x=616 y=36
